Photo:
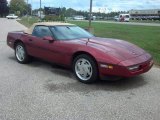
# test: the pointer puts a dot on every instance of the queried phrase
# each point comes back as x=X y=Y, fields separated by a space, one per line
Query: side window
x=127 y=16
x=36 y=31
x=41 y=31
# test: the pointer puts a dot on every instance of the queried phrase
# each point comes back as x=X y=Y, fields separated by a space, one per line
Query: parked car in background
x=124 y=17
x=78 y=18
x=92 y=18
x=116 y=18
x=88 y=56
x=12 y=16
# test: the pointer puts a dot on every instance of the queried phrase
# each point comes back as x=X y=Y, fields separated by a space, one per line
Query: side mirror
x=49 y=38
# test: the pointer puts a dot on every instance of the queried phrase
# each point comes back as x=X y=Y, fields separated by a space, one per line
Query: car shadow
x=119 y=85
x=75 y=86
x=12 y=58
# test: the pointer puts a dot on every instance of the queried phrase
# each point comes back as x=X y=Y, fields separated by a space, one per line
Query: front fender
x=100 y=56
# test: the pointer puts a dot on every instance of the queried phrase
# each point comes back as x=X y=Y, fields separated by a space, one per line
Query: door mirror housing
x=49 y=38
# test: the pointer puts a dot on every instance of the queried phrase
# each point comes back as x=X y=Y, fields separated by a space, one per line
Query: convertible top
x=30 y=30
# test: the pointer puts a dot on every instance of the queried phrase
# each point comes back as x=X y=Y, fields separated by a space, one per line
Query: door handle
x=30 y=40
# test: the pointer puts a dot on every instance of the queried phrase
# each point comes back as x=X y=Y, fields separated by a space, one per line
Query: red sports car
x=90 y=57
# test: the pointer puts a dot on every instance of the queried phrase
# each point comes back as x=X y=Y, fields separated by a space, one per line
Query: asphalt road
x=42 y=91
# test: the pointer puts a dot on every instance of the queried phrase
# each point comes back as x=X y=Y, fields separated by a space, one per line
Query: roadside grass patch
x=28 y=21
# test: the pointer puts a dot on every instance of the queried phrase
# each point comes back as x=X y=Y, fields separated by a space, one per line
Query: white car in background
x=116 y=18
x=78 y=18
x=12 y=16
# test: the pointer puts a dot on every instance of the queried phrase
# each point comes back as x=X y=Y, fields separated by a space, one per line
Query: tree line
x=70 y=12
x=20 y=8
x=4 y=10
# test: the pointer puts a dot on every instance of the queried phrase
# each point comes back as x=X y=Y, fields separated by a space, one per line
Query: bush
x=53 y=18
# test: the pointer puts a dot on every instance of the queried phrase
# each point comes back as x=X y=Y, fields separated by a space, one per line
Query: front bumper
x=144 y=62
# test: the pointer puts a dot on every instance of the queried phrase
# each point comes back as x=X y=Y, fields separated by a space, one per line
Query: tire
x=85 y=69
x=21 y=53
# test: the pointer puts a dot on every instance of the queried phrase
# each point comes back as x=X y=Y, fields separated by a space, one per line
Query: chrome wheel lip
x=83 y=69
x=20 y=53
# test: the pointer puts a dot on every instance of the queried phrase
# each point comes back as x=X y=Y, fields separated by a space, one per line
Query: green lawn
x=28 y=21
x=146 y=37
x=146 y=21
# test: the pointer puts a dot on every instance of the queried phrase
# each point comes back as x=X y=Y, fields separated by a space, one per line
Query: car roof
x=30 y=30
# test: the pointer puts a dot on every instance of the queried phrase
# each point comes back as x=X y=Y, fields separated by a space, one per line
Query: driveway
x=43 y=91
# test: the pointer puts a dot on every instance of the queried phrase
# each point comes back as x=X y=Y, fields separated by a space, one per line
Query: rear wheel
x=85 y=68
x=21 y=53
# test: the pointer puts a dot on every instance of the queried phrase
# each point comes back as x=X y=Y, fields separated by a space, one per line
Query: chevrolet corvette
x=91 y=58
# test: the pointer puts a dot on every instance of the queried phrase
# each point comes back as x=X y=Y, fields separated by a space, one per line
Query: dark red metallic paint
x=120 y=54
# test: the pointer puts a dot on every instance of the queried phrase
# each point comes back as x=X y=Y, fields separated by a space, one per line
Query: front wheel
x=85 y=69
x=21 y=53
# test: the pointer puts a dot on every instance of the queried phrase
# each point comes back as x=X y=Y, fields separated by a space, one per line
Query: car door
x=50 y=51
x=37 y=46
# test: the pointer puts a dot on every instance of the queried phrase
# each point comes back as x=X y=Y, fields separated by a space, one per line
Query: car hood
x=119 y=49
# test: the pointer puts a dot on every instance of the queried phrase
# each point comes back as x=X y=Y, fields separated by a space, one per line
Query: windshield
x=127 y=16
x=69 y=32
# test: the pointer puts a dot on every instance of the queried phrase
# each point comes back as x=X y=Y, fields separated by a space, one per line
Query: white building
x=145 y=14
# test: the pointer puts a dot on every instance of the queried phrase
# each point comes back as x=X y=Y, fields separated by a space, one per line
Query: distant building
x=145 y=14
x=52 y=11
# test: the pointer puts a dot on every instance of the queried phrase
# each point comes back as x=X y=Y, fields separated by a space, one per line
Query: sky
x=99 y=5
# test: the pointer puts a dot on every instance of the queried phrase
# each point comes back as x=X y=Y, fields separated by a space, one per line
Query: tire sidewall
x=26 y=58
x=93 y=63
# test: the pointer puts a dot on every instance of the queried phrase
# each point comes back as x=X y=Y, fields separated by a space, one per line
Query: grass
x=146 y=37
x=28 y=21
x=146 y=21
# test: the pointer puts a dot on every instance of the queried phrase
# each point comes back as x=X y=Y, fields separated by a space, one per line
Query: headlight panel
x=134 y=68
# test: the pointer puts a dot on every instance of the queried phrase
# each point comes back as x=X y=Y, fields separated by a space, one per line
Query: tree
x=70 y=12
x=18 y=7
x=63 y=11
x=29 y=9
x=4 y=10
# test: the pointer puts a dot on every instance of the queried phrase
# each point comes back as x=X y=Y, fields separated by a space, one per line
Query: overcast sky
x=100 y=5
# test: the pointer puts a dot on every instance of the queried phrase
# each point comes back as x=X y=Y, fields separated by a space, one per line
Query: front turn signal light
x=106 y=66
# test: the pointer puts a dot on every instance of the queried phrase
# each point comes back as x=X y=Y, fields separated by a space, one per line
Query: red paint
x=119 y=53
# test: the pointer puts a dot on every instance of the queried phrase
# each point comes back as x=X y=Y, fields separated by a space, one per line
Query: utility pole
x=27 y=11
x=40 y=9
x=90 y=15
x=27 y=8
x=31 y=11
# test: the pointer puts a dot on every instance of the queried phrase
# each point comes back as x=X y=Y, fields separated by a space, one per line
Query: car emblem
x=134 y=53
